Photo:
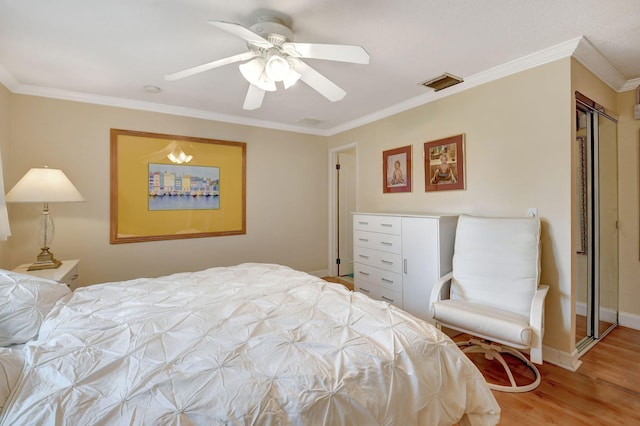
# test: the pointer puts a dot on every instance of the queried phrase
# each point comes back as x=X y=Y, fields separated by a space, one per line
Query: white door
x=420 y=253
x=346 y=206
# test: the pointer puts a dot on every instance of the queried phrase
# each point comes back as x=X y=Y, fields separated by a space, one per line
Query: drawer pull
x=386 y=262
x=388 y=225
x=366 y=240
x=363 y=273
x=387 y=299
x=385 y=243
x=364 y=289
x=387 y=281
x=363 y=223
x=363 y=256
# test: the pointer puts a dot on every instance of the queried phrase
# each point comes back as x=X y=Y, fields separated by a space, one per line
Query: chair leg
x=494 y=351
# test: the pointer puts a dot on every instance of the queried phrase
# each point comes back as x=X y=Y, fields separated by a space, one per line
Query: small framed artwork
x=444 y=164
x=396 y=173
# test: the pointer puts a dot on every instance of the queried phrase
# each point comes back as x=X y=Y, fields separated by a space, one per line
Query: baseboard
x=570 y=361
x=606 y=314
x=629 y=320
x=625 y=319
x=321 y=273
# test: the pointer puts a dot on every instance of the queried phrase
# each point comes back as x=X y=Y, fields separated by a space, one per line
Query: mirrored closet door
x=596 y=223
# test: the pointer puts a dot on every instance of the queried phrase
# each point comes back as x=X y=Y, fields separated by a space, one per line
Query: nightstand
x=66 y=273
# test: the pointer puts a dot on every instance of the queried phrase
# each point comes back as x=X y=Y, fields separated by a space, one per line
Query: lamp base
x=45 y=260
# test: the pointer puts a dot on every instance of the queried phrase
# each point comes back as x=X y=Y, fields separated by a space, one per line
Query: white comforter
x=252 y=344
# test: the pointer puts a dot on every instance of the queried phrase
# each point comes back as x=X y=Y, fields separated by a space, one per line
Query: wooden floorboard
x=348 y=283
x=605 y=391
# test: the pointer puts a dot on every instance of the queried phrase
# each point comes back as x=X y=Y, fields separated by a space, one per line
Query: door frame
x=333 y=202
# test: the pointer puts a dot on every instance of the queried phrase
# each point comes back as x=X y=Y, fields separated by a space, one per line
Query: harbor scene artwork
x=181 y=187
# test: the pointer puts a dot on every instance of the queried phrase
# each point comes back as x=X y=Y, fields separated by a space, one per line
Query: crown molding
x=7 y=79
x=593 y=60
x=541 y=57
x=630 y=85
x=579 y=48
x=47 y=92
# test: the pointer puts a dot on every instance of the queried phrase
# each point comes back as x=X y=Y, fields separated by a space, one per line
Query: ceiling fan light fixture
x=254 y=72
x=291 y=79
x=277 y=68
x=273 y=56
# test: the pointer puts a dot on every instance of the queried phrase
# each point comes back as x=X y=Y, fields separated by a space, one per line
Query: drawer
x=383 y=224
x=378 y=293
x=71 y=277
x=377 y=241
x=379 y=277
x=379 y=259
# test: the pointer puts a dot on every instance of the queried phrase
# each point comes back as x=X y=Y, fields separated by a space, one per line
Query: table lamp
x=44 y=185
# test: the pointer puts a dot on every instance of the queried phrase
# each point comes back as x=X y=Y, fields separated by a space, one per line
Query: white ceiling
x=106 y=52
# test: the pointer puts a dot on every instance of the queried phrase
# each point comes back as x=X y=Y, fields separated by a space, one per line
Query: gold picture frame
x=166 y=187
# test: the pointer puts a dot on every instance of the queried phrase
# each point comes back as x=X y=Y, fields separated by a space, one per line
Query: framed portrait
x=444 y=164
x=167 y=187
x=396 y=173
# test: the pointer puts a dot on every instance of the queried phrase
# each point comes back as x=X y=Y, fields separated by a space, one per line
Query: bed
x=251 y=344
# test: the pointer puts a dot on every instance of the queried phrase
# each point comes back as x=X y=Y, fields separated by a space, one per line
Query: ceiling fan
x=272 y=57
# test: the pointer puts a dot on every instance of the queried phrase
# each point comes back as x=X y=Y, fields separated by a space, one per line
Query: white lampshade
x=253 y=72
x=277 y=68
x=44 y=185
x=291 y=79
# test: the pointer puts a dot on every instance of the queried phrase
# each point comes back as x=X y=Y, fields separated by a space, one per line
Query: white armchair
x=493 y=291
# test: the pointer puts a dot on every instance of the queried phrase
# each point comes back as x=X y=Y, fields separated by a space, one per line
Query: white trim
x=606 y=314
x=629 y=320
x=544 y=56
x=580 y=48
x=68 y=95
x=593 y=60
x=7 y=79
x=630 y=85
x=320 y=273
x=333 y=219
x=570 y=361
x=625 y=319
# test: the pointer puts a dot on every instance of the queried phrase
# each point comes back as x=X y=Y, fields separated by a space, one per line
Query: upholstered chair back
x=497 y=262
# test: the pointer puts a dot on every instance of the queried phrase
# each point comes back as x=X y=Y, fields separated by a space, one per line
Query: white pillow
x=24 y=302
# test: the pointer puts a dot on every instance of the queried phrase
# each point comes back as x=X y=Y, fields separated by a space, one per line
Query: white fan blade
x=331 y=52
x=254 y=98
x=210 y=65
x=242 y=32
x=318 y=82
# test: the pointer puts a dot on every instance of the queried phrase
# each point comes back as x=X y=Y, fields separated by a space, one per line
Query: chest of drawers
x=398 y=258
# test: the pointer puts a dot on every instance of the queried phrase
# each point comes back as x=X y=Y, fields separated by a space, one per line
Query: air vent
x=310 y=121
x=442 y=82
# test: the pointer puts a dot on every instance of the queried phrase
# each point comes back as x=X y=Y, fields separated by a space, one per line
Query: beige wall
x=5 y=96
x=629 y=216
x=286 y=192
x=518 y=153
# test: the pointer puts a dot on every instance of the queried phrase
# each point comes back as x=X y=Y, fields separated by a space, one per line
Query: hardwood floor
x=605 y=391
x=348 y=283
